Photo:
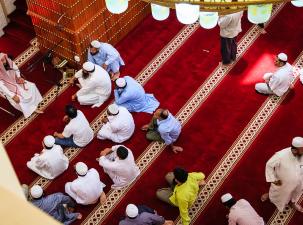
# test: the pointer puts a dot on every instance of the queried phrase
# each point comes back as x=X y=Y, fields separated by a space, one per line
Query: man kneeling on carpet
x=183 y=190
x=57 y=205
x=140 y=215
x=278 y=82
x=240 y=212
x=51 y=162
x=77 y=132
x=119 y=163
x=87 y=188
x=164 y=127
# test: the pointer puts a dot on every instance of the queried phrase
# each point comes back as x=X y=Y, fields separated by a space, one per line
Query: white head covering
x=113 y=109
x=81 y=168
x=226 y=197
x=36 y=191
x=95 y=44
x=88 y=66
x=121 y=82
x=49 y=141
x=297 y=142
x=282 y=57
x=132 y=211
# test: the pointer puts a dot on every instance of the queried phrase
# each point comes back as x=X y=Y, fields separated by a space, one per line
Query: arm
x=271 y=164
x=86 y=89
x=111 y=54
x=5 y=90
x=165 y=136
x=16 y=69
x=232 y=220
x=224 y=21
x=90 y=57
x=183 y=208
x=119 y=99
x=106 y=164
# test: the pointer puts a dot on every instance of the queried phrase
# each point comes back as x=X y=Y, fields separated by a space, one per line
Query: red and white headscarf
x=8 y=77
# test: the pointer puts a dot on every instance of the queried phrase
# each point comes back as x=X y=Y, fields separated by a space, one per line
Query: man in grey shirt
x=133 y=217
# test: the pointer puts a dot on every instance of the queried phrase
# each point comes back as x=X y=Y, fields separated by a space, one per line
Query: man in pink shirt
x=240 y=212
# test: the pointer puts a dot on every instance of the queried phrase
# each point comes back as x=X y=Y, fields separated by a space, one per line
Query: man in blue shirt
x=164 y=127
x=106 y=56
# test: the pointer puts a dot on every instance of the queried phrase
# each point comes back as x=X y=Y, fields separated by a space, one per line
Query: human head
x=94 y=47
x=180 y=175
x=70 y=111
x=81 y=168
x=297 y=146
x=161 y=114
x=36 y=192
x=132 y=211
x=87 y=69
x=122 y=152
x=112 y=110
x=281 y=59
x=3 y=57
x=48 y=141
x=120 y=83
x=227 y=200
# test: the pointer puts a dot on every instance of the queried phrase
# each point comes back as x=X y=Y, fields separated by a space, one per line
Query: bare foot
x=177 y=149
x=264 y=197
x=79 y=217
x=39 y=111
x=297 y=207
x=145 y=127
x=263 y=31
x=115 y=76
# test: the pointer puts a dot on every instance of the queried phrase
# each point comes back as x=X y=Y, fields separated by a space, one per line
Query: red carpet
x=57 y=108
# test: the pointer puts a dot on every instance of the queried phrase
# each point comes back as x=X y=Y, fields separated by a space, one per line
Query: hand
x=20 y=80
x=104 y=66
x=74 y=97
x=65 y=119
x=278 y=182
x=71 y=81
x=169 y=222
x=55 y=134
x=16 y=99
x=79 y=217
x=104 y=120
x=105 y=151
x=202 y=183
x=102 y=198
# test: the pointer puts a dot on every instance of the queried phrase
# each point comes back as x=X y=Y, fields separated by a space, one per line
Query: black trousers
x=228 y=49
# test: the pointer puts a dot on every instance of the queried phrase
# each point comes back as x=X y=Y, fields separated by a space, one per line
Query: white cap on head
x=226 y=197
x=120 y=82
x=297 y=142
x=132 y=211
x=95 y=44
x=36 y=191
x=282 y=57
x=88 y=66
x=81 y=168
x=113 y=109
x=49 y=141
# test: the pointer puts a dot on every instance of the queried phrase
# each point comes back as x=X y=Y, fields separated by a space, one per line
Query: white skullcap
x=49 y=141
x=282 y=57
x=95 y=44
x=36 y=191
x=297 y=142
x=88 y=66
x=132 y=211
x=81 y=168
x=121 y=82
x=226 y=197
x=113 y=109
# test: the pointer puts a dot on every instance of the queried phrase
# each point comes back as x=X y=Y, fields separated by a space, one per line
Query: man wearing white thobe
x=51 y=162
x=278 y=82
x=87 y=188
x=240 y=212
x=95 y=85
x=119 y=163
x=22 y=94
x=105 y=55
x=77 y=133
x=118 y=126
x=284 y=170
x=230 y=27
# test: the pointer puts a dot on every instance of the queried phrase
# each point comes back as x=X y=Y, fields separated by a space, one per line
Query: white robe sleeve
x=4 y=90
x=270 y=168
x=224 y=21
x=16 y=69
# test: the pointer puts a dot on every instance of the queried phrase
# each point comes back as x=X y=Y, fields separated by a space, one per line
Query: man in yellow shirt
x=183 y=190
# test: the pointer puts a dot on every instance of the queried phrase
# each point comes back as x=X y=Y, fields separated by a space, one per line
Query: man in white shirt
x=118 y=126
x=22 y=94
x=95 y=85
x=87 y=188
x=240 y=212
x=119 y=163
x=77 y=132
x=230 y=27
x=284 y=172
x=278 y=82
x=51 y=162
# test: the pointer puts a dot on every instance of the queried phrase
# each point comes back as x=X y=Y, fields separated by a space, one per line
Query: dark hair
x=164 y=114
x=230 y=203
x=284 y=62
x=70 y=111
x=180 y=174
x=122 y=152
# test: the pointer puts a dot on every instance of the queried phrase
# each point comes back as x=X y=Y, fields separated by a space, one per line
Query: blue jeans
x=66 y=142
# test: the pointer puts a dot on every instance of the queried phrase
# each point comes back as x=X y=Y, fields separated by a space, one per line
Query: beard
x=85 y=75
x=95 y=53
